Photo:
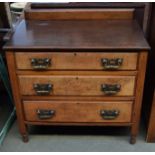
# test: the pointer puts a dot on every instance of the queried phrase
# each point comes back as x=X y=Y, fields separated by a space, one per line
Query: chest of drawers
x=85 y=72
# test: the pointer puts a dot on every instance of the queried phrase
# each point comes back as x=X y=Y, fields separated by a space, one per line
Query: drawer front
x=77 y=85
x=76 y=61
x=59 y=111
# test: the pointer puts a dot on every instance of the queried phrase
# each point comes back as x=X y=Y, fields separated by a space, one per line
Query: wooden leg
x=25 y=138
x=134 y=132
x=24 y=133
x=132 y=139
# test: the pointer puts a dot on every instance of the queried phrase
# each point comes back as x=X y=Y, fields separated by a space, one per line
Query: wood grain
x=138 y=13
x=77 y=85
x=77 y=111
x=76 y=47
x=78 y=14
x=76 y=60
x=78 y=35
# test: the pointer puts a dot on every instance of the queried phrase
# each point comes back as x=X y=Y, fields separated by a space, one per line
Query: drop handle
x=43 y=89
x=109 y=114
x=40 y=63
x=45 y=114
x=111 y=89
x=112 y=64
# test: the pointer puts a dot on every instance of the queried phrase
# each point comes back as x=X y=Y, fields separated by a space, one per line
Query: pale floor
x=75 y=139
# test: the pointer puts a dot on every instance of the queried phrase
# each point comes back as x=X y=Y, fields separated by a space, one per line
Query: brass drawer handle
x=112 y=64
x=45 y=114
x=109 y=114
x=110 y=89
x=40 y=63
x=43 y=89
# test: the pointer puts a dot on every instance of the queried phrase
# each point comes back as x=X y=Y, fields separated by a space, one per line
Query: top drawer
x=76 y=61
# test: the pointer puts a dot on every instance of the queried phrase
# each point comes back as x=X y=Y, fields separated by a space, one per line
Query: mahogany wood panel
x=90 y=35
x=139 y=13
x=77 y=111
x=77 y=85
x=78 y=14
x=76 y=60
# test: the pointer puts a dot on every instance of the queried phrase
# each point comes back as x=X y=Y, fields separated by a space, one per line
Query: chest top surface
x=78 y=34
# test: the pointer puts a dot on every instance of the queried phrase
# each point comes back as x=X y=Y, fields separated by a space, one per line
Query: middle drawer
x=77 y=85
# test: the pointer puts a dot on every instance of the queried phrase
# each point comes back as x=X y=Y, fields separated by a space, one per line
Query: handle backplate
x=45 y=114
x=40 y=63
x=112 y=64
x=43 y=89
x=109 y=114
x=111 y=89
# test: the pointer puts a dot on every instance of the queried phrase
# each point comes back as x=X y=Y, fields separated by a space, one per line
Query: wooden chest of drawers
x=77 y=73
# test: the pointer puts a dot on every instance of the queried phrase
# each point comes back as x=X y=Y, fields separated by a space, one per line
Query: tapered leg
x=132 y=139
x=25 y=138
x=24 y=132
x=134 y=132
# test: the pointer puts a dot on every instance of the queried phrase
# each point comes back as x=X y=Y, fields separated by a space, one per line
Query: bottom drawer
x=73 y=111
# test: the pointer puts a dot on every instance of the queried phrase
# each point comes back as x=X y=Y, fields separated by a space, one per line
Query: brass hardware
x=109 y=114
x=43 y=89
x=110 y=89
x=112 y=64
x=45 y=114
x=40 y=63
